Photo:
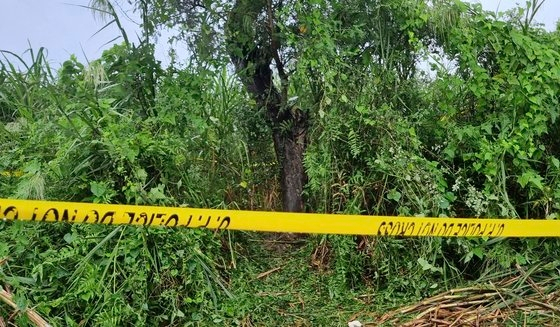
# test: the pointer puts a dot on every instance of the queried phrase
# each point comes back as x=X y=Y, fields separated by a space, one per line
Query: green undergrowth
x=276 y=283
x=75 y=275
x=331 y=280
x=129 y=276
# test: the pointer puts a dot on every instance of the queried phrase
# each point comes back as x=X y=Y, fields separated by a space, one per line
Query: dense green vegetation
x=365 y=107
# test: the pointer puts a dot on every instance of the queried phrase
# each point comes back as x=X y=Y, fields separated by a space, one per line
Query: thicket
x=433 y=109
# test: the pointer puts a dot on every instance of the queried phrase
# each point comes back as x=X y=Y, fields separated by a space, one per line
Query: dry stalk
x=529 y=280
x=450 y=305
x=266 y=273
x=458 y=320
x=35 y=318
x=544 y=305
x=485 y=305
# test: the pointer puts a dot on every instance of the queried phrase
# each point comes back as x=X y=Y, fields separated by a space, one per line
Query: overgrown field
x=365 y=107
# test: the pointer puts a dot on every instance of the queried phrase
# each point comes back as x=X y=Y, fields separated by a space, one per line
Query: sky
x=62 y=27
x=65 y=28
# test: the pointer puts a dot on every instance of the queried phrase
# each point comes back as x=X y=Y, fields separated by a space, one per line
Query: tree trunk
x=252 y=55
x=290 y=147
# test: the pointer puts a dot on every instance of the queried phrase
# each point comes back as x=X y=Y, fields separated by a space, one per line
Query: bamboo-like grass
x=519 y=298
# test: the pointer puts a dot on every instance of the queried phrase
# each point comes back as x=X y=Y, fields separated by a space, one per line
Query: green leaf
x=424 y=264
x=443 y=203
x=536 y=100
x=20 y=301
x=98 y=189
x=478 y=252
x=394 y=195
x=361 y=109
x=428 y=266
x=69 y=238
x=532 y=177
x=156 y=193
x=555 y=162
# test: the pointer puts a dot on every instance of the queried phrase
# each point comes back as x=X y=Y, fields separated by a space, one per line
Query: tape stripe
x=110 y=214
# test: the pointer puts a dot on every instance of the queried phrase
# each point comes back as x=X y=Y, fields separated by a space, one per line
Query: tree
x=294 y=57
x=253 y=43
x=250 y=35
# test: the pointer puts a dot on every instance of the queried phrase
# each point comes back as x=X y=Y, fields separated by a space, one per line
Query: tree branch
x=274 y=47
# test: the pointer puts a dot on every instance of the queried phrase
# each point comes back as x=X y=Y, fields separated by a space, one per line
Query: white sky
x=64 y=28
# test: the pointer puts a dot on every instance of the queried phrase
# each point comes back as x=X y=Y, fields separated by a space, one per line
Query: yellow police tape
x=274 y=221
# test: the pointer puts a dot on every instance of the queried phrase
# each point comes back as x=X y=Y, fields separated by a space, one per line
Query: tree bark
x=290 y=148
x=252 y=53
